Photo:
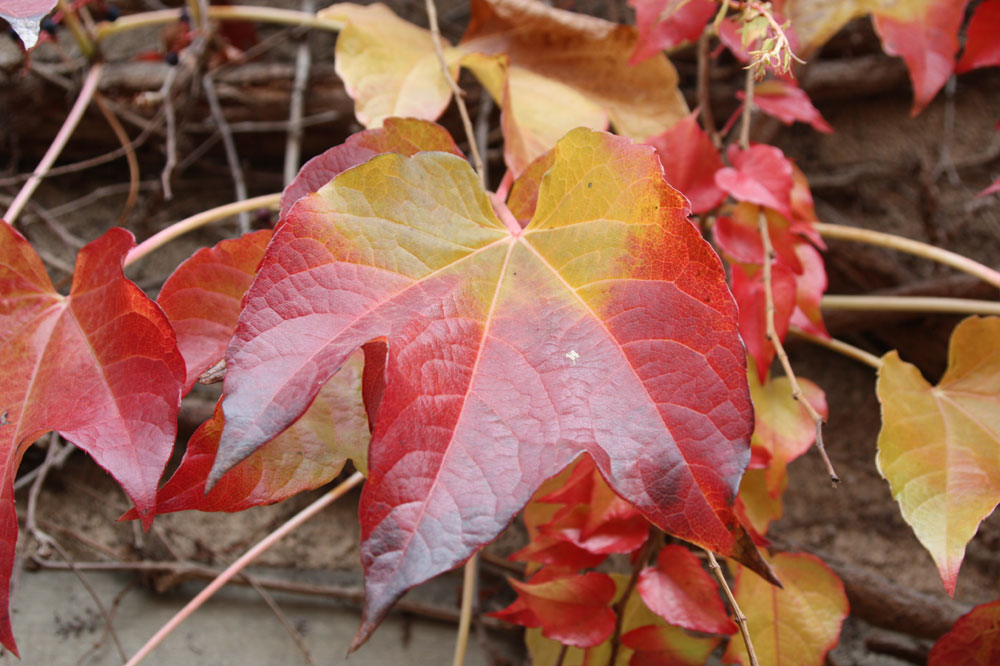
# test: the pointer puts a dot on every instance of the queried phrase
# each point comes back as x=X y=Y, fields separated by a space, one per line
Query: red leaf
x=927 y=44
x=202 y=298
x=680 y=591
x=982 y=48
x=664 y=24
x=760 y=174
x=749 y=293
x=100 y=366
x=810 y=286
x=689 y=162
x=510 y=351
x=407 y=136
x=574 y=609
x=788 y=103
x=973 y=641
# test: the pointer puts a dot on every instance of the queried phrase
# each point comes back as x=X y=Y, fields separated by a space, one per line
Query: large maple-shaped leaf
x=604 y=326
x=202 y=298
x=25 y=16
x=973 y=641
x=938 y=445
x=796 y=625
x=982 y=48
x=389 y=66
x=680 y=591
x=100 y=366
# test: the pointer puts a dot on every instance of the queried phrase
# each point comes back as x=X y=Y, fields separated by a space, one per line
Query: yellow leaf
x=939 y=448
x=794 y=626
x=388 y=65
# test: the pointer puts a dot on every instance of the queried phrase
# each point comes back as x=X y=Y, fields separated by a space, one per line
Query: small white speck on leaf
x=572 y=356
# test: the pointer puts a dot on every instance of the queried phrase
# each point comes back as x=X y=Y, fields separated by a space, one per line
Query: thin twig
x=741 y=619
x=77 y=30
x=201 y=219
x=240 y=564
x=220 y=13
x=779 y=349
x=637 y=567
x=704 y=85
x=893 y=242
x=57 y=145
x=840 y=347
x=282 y=618
x=469 y=583
x=911 y=304
x=232 y=157
x=747 y=110
x=170 y=116
x=303 y=63
x=115 y=604
x=477 y=161
x=483 y=129
x=133 y=162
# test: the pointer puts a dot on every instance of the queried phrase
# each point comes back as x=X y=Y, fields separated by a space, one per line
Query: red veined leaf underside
x=973 y=641
x=603 y=326
x=100 y=366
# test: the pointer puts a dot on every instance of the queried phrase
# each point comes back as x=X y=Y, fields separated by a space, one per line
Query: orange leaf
x=938 y=445
x=797 y=625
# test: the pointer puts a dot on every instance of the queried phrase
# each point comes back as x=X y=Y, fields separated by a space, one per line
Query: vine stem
x=741 y=619
x=840 y=347
x=58 y=143
x=178 y=229
x=477 y=160
x=893 y=242
x=779 y=349
x=469 y=579
x=240 y=564
x=747 y=110
x=911 y=304
x=221 y=13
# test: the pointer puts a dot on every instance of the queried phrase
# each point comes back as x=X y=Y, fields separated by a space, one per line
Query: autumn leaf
x=100 y=366
x=646 y=640
x=758 y=505
x=407 y=136
x=760 y=175
x=308 y=454
x=690 y=161
x=574 y=609
x=25 y=17
x=564 y=70
x=788 y=103
x=982 y=48
x=202 y=298
x=664 y=24
x=973 y=641
x=797 y=624
x=783 y=427
x=388 y=65
x=680 y=591
x=505 y=345
x=938 y=444
x=749 y=291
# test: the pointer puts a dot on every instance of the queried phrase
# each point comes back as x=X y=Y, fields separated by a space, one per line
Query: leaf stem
x=58 y=143
x=893 y=242
x=221 y=13
x=77 y=29
x=840 y=347
x=779 y=349
x=911 y=304
x=747 y=110
x=470 y=134
x=240 y=564
x=178 y=229
x=637 y=567
x=469 y=580
x=741 y=619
